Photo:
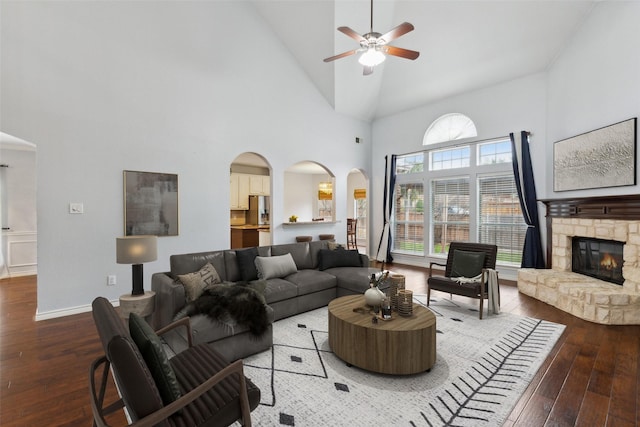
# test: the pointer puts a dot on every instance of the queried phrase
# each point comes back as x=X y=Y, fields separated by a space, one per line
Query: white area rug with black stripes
x=482 y=368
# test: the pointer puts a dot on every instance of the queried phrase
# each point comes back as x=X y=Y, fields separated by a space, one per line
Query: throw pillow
x=151 y=349
x=271 y=267
x=246 y=263
x=467 y=263
x=195 y=283
x=328 y=258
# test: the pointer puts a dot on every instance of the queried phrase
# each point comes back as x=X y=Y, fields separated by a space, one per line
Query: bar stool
x=303 y=238
x=352 y=223
x=330 y=237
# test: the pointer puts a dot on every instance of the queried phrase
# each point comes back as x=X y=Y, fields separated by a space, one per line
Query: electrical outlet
x=111 y=280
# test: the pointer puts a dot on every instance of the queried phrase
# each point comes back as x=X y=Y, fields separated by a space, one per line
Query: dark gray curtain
x=532 y=256
x=387 y=207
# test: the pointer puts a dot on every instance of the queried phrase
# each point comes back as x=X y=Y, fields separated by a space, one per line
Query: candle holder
x=396 y=284
x=405 y=303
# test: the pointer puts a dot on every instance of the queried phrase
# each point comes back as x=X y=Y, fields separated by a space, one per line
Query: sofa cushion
x=151 y=349
x=275 y=266
x=467 y=263
x=354 y=280
x=328 y=258
x=279 y=289
x=205 y=329
x=188 y=263
x=195 y=283
x=246 y=263
x=299 y=251
x=310 y=281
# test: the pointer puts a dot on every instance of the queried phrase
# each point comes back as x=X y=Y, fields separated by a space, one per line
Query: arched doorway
x=250 y=201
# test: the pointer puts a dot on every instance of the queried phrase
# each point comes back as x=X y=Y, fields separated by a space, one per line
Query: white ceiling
x=463 y=45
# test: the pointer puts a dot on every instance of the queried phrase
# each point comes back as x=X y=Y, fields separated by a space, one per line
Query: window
x=449 y=158
x=325 y=200
x=494 y=152
x=467 y=188
x=410 y=163
x=500 y=219
x=449 y=127
x=450 y=212
x=408 y=219
x=360 y=208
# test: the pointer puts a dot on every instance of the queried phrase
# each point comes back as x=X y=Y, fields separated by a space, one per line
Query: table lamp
x=136 y=250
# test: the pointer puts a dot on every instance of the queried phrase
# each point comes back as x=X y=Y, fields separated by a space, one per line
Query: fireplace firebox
x=598 y=258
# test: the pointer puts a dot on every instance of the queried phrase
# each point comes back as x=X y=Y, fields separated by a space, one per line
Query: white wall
x=595 y=82
x=173 y=87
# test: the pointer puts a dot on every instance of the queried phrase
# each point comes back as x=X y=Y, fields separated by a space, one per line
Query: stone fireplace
x=592 y=228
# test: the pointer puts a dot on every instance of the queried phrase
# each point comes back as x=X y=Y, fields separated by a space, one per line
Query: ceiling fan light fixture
x=372 y=57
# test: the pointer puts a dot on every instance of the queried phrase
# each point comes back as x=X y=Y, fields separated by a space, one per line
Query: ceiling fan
x=374 y=45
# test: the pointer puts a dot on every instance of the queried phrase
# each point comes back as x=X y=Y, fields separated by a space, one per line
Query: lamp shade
x=136 y=249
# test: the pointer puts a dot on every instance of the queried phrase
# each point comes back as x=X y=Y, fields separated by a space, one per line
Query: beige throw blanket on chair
x=493 y=292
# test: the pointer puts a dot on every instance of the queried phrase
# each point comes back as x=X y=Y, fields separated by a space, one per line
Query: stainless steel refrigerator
x=258 y=213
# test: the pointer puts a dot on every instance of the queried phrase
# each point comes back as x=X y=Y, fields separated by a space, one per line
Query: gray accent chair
x=447 y=283
x=214 y=391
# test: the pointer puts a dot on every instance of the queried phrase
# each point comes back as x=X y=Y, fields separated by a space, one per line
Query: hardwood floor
x=591 y=378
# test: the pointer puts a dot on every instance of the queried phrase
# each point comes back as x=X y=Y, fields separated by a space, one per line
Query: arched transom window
x=449 y=127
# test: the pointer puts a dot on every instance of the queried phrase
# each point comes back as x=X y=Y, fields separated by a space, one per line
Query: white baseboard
x=53 y=314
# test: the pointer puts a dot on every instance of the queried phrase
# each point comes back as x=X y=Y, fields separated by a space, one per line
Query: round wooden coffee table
x=401 y=346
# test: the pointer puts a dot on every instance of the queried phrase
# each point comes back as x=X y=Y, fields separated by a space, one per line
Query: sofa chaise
x=294 y=278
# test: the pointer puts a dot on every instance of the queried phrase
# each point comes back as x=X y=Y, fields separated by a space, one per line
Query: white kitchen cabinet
x=239 y=191
x=259 y=185
x=264 y=238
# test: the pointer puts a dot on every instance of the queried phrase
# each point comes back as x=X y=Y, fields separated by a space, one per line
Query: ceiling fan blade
x=342 y=55
x=396 y=32
x=402 y=53
x=348 y=31
x=367 y=70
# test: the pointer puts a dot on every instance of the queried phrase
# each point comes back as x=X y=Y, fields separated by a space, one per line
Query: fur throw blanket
x=231 y=305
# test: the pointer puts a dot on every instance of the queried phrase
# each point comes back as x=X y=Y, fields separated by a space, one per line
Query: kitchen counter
x=250 y=227
x=310 y=223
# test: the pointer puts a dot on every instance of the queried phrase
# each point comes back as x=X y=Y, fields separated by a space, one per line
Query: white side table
x=142 y=305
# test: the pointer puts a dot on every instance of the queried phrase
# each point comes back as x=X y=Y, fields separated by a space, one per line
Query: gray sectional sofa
x=319 y=275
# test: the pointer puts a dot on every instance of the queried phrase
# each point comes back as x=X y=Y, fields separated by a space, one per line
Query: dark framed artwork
x=150 y=204
x=601 y=158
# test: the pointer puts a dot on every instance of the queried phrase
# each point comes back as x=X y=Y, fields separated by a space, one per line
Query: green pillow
x=150 y=346
x=467 y=263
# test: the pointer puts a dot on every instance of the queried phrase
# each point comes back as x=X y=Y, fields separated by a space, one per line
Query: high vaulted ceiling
x=463 y=45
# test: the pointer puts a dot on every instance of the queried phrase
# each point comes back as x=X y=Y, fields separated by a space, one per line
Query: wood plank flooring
x=591 y=378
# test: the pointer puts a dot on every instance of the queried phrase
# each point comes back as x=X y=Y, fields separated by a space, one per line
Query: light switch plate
x=76 y=208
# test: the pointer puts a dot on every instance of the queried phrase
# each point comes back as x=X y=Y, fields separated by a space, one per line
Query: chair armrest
x=180 y=322
x=235 y=368
x=431 y=264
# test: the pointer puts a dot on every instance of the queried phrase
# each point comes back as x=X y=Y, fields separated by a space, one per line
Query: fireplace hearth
x=598 y=258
